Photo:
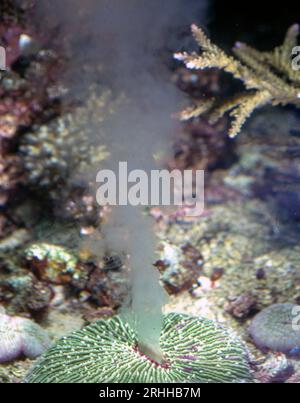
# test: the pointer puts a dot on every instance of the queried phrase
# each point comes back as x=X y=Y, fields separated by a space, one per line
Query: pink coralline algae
x=21 y=337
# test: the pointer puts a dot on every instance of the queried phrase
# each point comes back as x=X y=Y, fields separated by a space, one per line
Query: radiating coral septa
x=195 y=350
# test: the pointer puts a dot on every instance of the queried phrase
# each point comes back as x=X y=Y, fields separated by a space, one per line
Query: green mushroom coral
x=195 y=350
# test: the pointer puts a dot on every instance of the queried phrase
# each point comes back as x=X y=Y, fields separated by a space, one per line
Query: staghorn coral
x=194 y=349
x=268 y=77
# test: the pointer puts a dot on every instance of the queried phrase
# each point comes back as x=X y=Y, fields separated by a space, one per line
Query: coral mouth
x=109 y=351
x=151 y=355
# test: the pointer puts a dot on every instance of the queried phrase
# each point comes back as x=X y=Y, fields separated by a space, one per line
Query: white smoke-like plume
x=134 y=40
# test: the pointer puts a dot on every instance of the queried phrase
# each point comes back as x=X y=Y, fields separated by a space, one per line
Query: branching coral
x=269 y=77
x=194 y=349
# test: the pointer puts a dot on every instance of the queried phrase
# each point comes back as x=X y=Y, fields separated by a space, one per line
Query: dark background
x=258 y=22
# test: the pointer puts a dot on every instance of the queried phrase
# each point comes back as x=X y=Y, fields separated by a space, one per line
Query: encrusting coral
x=195 y=350
x=269 y=77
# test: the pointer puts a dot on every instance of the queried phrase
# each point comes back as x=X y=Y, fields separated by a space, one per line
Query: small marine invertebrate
x=53 y=263
x=273 y=329
x=268 y=77
x=194 y=349
x=21 y=336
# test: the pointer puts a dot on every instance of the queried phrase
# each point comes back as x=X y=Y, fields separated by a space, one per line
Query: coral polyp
x=194 y=350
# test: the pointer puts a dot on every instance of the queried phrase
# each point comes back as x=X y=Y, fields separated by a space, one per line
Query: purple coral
x=20 y=336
